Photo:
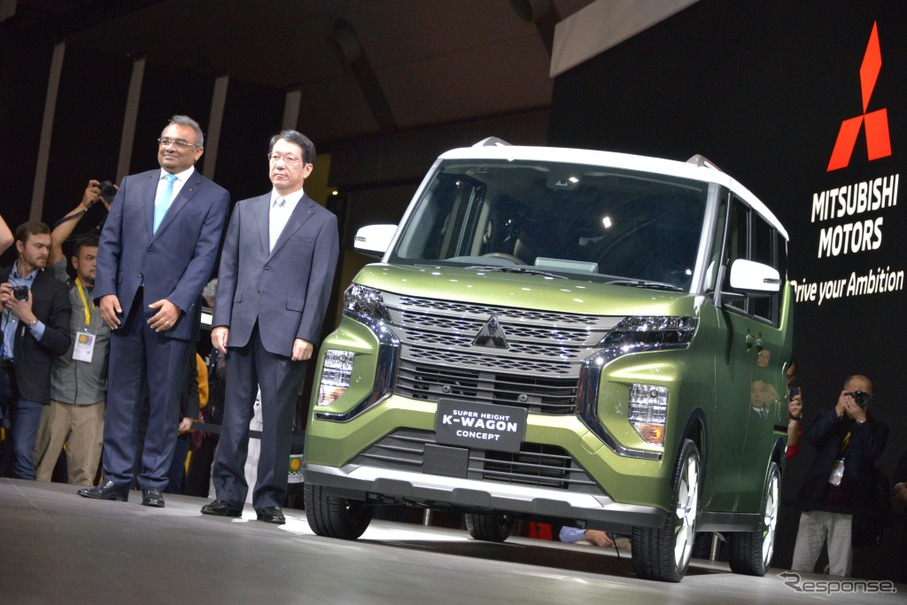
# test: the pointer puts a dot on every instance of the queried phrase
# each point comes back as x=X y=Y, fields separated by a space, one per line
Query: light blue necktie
x=163 y=202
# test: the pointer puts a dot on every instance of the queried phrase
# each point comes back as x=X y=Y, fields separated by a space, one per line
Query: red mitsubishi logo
x=878 y=143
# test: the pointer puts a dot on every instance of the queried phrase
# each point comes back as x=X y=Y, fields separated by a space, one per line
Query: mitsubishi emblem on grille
x=491 y=335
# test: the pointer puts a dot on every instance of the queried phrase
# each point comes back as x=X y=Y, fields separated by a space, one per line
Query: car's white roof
x=705 y=173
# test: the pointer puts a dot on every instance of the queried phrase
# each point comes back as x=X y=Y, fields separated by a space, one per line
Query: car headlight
x=652 y=332
x=362 y=300
x=335 y=376
x=649 y=411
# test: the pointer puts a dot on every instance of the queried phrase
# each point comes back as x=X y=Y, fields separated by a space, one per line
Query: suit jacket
x=867 y=442
x=286 y=290
x=176 y=261
x=34 y=358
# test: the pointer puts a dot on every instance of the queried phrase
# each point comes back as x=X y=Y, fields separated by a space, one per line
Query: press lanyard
x=87 y=307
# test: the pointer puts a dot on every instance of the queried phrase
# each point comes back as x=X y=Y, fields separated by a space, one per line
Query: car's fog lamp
x=649 y=411
x=335 y=376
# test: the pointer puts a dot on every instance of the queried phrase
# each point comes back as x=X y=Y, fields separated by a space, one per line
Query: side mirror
x=751 y=277
x=374 y=240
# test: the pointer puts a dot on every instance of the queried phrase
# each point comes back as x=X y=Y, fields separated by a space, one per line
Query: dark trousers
x=279 y=378
x=143 y=361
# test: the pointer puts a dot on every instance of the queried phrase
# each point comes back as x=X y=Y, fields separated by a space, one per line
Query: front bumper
x=365 y=483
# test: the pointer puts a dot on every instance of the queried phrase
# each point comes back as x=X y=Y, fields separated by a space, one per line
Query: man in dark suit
x=35 y=330
x=274 y=284
x=157 y=251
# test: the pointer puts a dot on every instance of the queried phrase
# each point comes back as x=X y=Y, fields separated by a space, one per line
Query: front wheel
x=663 y=553
x=490 y=527
x=750 y=553
x=334 y=516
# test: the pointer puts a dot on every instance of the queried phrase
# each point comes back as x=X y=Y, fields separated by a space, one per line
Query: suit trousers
x=816 y=528
x=249 y=368
x=81 y=429
x=142 y=362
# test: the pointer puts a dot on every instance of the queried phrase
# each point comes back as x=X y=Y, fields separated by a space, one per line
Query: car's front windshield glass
x=575 y=220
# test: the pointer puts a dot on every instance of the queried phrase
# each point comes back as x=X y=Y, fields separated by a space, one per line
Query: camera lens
x=20 y=292
x=860 y=398
x=108 y=191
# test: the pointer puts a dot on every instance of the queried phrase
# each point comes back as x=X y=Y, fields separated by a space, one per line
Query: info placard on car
x=480 y=425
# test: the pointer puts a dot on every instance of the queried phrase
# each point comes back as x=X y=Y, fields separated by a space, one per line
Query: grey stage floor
x=56 y=547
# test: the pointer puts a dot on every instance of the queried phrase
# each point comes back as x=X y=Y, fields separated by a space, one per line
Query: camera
x=860 y=398
x=108 y=190
x=20 y=292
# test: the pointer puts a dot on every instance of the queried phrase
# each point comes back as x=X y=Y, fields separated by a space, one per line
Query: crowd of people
x=101 y=361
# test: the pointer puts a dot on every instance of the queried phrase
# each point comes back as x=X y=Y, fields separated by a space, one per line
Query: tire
x=333 y=516
x=663 y=553
x=489 y=527
x=750 y=553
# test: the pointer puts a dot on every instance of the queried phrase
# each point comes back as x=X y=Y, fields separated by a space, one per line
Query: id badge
x=837 y=473
x=83 y=348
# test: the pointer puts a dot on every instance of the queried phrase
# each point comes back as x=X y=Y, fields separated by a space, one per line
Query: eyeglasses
x=289 y=160
x=165 y=141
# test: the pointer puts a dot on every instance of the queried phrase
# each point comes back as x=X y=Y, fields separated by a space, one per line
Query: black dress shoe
x=151 y=496
x=271 y=514
x=220 y=508
x=106 y=491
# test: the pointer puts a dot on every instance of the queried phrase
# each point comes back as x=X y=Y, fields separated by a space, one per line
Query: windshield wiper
x=515 y=269
x=640 y=283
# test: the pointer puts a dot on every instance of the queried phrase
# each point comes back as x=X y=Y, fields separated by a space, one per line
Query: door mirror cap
x=374 y=240
x=751 y=277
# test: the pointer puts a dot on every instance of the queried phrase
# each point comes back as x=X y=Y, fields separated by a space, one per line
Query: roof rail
x=701 y=160
x=491 y=142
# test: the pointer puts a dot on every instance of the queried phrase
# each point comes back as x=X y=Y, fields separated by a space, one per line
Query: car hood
x=528 y=291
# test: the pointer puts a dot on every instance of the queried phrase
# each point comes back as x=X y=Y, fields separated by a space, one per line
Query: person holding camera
x=849 y=441
x=35 y=330
x=78 y=383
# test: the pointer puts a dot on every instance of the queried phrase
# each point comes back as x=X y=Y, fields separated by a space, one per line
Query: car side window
x=737 y=247
x=763 y=251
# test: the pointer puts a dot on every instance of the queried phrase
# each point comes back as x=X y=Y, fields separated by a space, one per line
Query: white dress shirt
x=278 y=215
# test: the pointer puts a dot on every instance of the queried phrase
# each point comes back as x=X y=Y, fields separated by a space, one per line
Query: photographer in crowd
x=35 y=327
x=849 y=442
x=79 y=377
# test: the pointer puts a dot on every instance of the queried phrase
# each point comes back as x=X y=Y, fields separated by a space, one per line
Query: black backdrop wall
x=762 y=89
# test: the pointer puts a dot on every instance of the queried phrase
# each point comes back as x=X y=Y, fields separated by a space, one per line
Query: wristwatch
x=33 y=323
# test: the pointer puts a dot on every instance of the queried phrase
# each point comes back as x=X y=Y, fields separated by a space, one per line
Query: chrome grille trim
x=538 y=368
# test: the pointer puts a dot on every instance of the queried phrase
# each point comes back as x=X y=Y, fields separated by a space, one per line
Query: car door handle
x=750 y=341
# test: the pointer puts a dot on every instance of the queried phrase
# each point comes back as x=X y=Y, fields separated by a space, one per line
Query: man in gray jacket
x=78 y=380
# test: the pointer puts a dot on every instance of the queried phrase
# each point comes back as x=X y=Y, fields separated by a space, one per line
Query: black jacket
x=867 y=442
x=50 y=304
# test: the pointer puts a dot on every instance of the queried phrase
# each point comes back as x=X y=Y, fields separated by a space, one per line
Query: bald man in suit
x=157 y=251
x=274 y=283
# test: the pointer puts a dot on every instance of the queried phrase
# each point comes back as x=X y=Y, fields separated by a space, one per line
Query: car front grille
x=534 y=361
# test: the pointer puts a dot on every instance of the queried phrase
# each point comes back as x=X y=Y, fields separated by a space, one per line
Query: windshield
x=602 y=223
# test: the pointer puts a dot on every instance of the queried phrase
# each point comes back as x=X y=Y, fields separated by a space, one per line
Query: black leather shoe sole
x=219 y=508
x=106 y=491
